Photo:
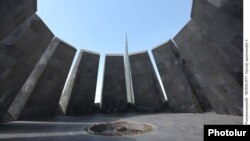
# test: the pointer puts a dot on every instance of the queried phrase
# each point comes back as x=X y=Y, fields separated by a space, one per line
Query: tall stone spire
x=129 y=85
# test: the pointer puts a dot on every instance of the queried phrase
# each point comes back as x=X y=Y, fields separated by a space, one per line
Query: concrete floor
x=168 y=127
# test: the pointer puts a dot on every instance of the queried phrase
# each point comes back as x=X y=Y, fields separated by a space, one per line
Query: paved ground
x=168 y=127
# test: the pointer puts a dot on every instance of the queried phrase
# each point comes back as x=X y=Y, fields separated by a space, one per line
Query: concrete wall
x=13 y=13
x=196 y=87
x=211 y=46
x=221 y=21
x=19 y=53
x=79 y=95
x=45 y=96
x=147 y=93
x=23 y=95
x=181 y=97
x=114 y=98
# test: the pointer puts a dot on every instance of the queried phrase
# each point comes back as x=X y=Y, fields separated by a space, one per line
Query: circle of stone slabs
x=121 y=128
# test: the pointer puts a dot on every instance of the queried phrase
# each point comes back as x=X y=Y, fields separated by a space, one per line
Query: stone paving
x=167 y=127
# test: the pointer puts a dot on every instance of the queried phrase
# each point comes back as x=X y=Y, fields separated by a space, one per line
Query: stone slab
x=81 y=86
x=114 y=96
x=44 y=98
x=147 y=92
x=206 y=60
x=181 y=96
x=13 y=13
x=19 y=53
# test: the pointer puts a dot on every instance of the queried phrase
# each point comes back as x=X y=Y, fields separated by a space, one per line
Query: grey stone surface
x=19 y=53
x=13 y=13
x=44 y=98
x=167 y=127
x=201 y=97
x=181 y=97
x=147 y=92
x=221 y=22
x=211 y=44
x=206 y=60
x=82 y=80
x=23 y=95
x=114 y=96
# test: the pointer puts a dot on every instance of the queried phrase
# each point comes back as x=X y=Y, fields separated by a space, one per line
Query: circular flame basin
x=122 y=128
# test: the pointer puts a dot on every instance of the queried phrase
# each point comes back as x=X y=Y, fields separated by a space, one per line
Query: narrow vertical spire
x=129 y=85
x=126 y=44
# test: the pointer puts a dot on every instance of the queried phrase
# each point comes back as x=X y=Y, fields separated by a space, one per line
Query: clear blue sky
x=100 y=25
